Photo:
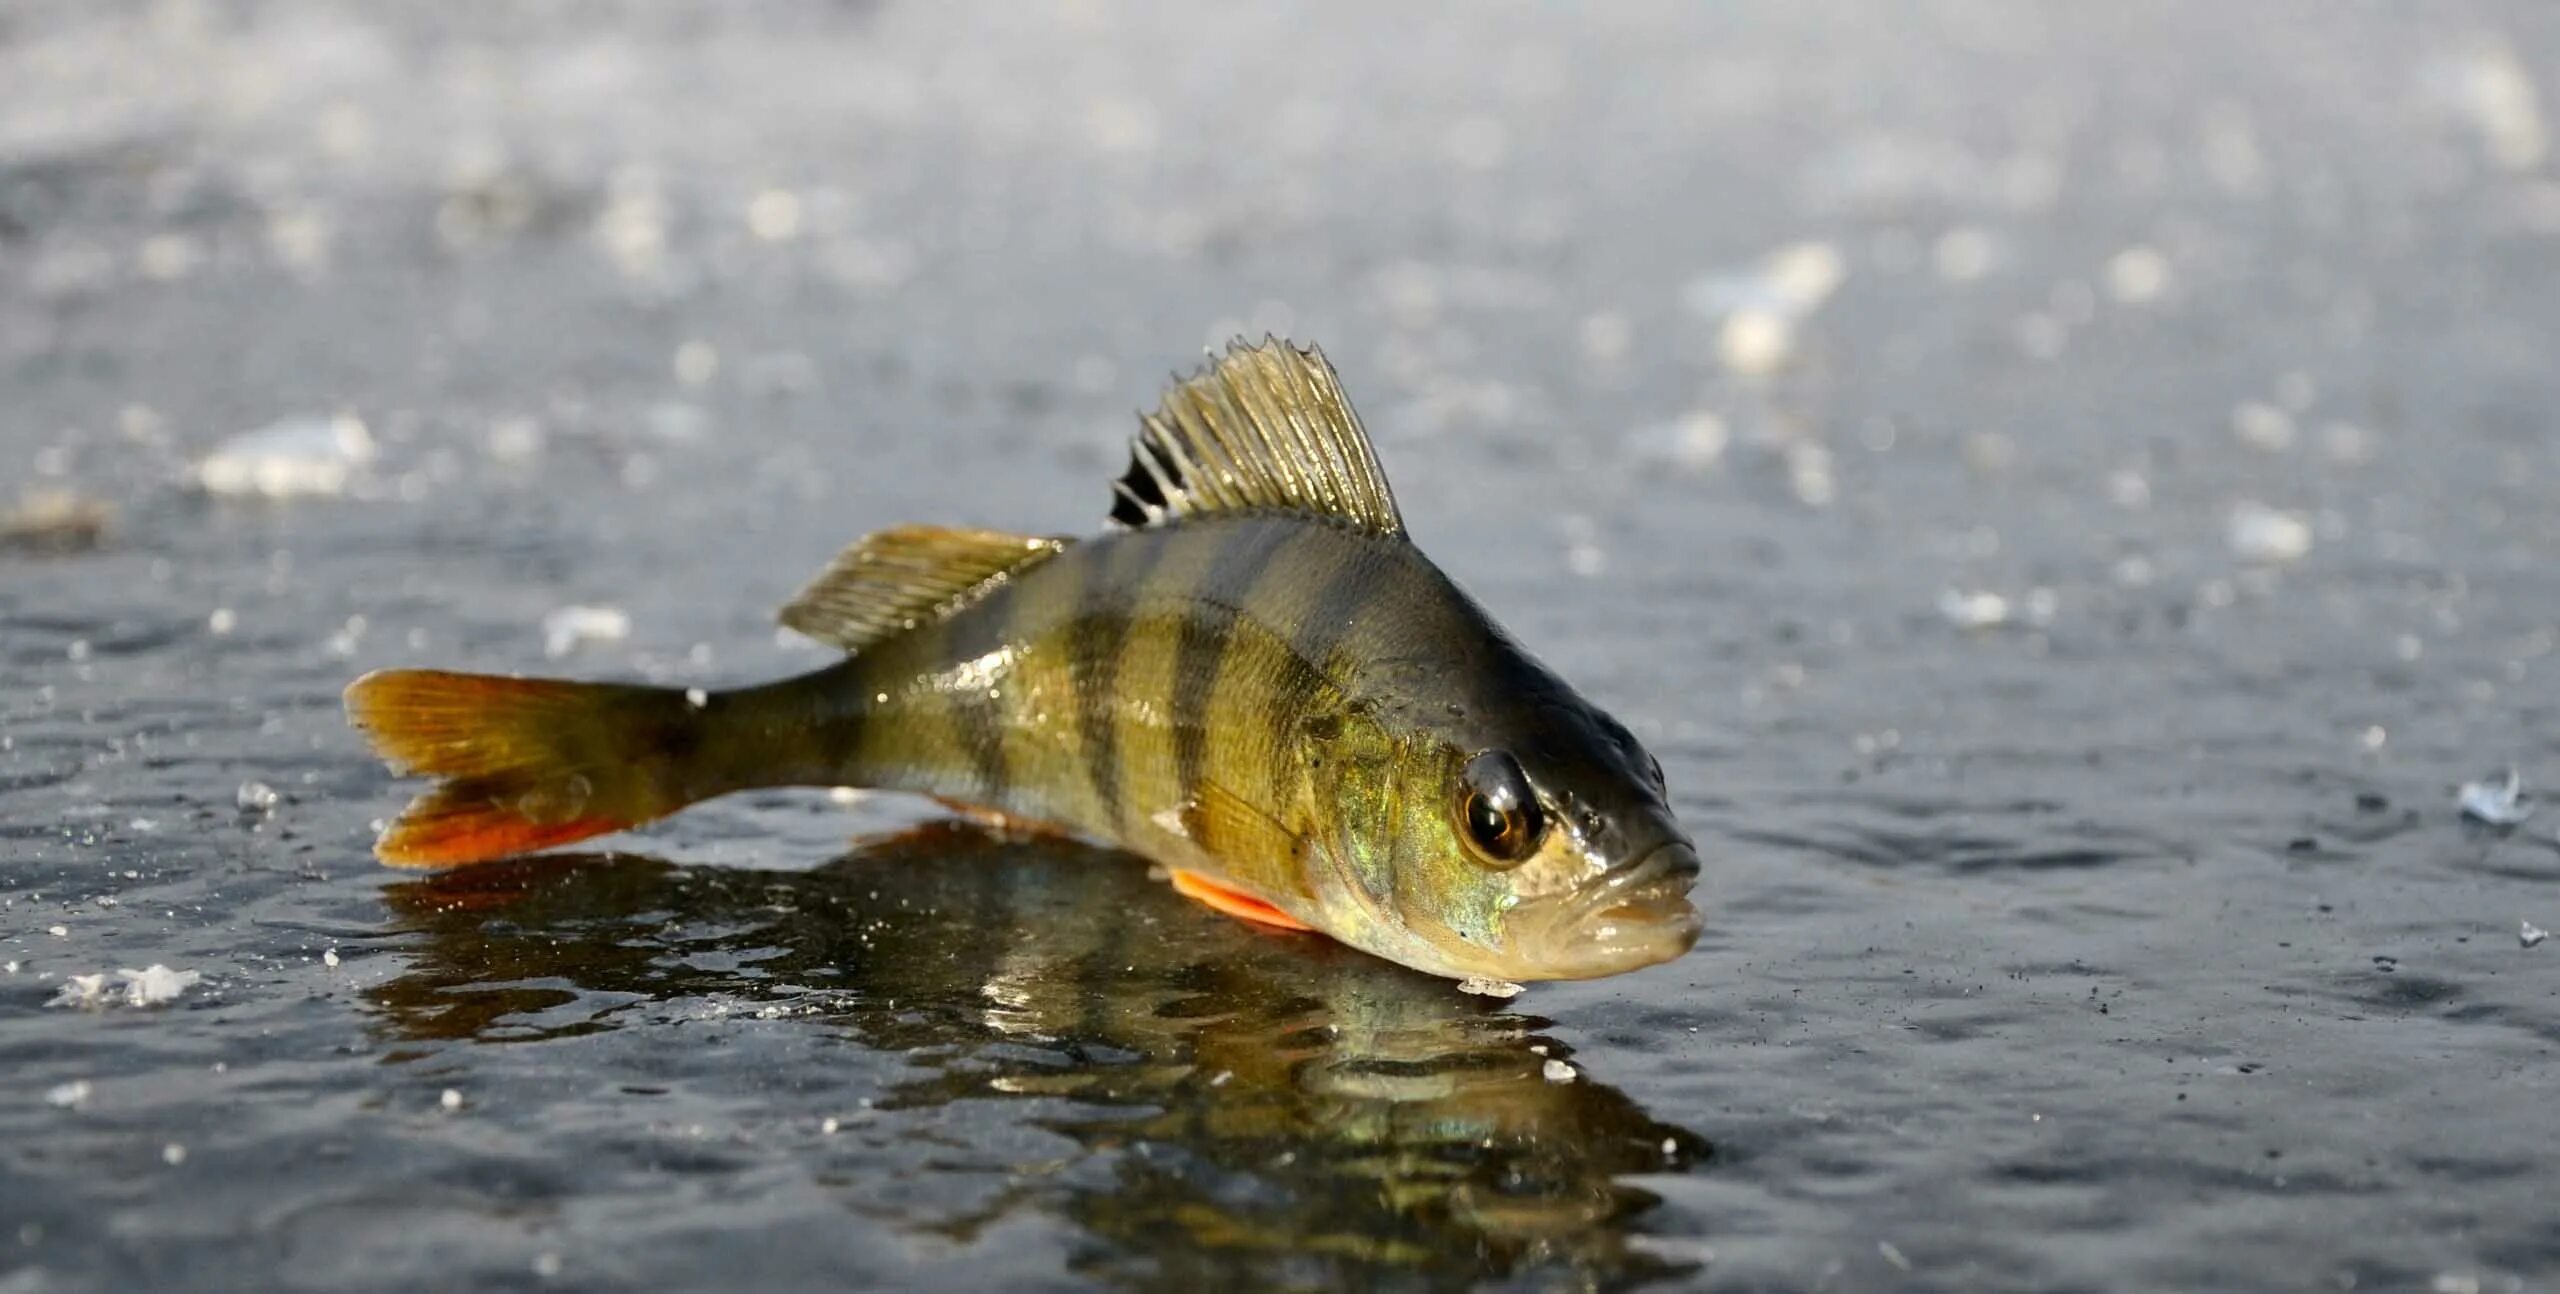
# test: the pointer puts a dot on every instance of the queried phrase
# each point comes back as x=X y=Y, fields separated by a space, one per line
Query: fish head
x=1533 y=843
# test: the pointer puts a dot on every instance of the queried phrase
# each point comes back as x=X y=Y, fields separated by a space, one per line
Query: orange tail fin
x=523 y=764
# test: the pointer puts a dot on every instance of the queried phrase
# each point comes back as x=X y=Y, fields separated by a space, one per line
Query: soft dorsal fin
x=1262 y=427
x=893 y=580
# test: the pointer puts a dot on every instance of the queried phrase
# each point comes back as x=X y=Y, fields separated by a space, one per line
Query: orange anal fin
x=1243 y=907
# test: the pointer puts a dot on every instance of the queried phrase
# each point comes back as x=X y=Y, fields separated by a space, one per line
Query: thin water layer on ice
x=2108 y=921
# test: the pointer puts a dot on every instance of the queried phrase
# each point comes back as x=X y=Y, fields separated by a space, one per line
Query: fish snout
x=1635 y=916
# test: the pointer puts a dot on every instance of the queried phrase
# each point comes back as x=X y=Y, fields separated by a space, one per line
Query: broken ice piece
x=1977 y=610
x=156 y=984
x=2531 y=934
x=2500 y=802
x=55 y=522
x=2260 y=533
x=288 y=459
x=149 y=987
x=570 y=628
x=70 y=1096
x=1487 y=986
x=81 y=990
x=1557 y=1071
x=255 y=797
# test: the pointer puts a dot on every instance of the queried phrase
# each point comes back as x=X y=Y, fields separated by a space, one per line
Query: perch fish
x=1254 y=678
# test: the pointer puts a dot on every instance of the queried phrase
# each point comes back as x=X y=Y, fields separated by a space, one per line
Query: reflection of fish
x=1258 y=681
x=1244 y=1105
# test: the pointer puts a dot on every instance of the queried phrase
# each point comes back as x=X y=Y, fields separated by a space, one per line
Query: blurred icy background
x=2068 y=490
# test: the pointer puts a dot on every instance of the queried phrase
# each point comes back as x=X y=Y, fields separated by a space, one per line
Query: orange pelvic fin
x=1234 y=903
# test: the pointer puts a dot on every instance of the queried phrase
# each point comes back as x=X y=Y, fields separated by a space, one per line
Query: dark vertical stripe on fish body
x=1336 y=610
x=1208 y=638
x=977 y=715
x=1099 y=641
x=1296 y=682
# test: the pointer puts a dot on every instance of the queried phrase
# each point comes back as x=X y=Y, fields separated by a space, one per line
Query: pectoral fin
x=1228 y=826
x=1234 y=903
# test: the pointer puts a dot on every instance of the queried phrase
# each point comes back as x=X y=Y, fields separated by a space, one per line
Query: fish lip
x=1637 y=917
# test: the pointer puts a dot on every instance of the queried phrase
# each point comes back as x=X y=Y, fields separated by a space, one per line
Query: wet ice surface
x=2133 y=941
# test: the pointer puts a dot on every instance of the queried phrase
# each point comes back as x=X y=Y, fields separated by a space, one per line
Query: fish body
x=1258 y=682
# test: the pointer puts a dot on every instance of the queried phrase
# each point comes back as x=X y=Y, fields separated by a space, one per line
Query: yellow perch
x=1255 y=679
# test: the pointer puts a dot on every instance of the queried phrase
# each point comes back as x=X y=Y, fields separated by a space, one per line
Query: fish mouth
x=1637 y=916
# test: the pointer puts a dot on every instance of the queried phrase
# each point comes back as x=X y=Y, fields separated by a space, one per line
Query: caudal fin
x=522 y=764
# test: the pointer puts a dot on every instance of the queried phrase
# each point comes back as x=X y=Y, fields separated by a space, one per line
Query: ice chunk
x=296 y=457
x=1487 y=986
x=1975 y=610
x=156 y=984
x=1557 y=1071
x=451 y=1100
x=255 y=797
x=153 y=986
x=55 y=521
x=570 y=628
x=81 y=990
x=2530 y=934
x=2259 y=533
x=2500 y=802
x=70 y=1096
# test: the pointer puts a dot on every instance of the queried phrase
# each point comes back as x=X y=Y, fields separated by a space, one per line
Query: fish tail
x=525 y=764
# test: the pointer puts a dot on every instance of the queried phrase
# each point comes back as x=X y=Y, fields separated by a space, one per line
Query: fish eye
x=1497 y=812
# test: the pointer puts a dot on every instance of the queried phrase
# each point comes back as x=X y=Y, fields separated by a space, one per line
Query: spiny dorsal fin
x=894 y=580
x=1262 y=427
